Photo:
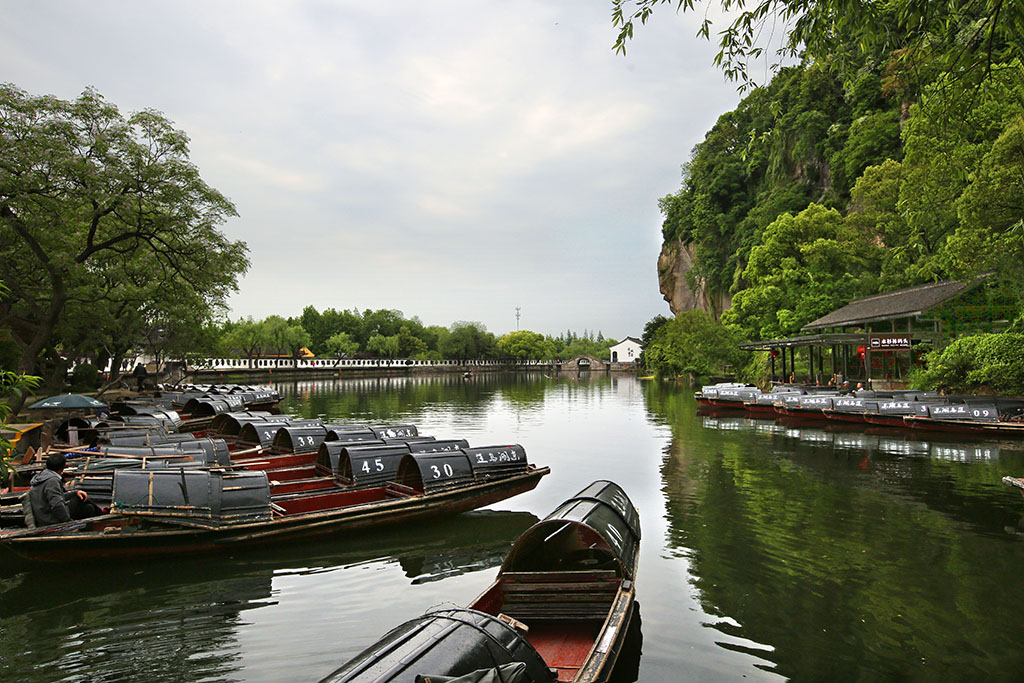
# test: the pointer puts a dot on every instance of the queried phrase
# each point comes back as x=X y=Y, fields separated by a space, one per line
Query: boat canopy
x=351 y=437
x=208 y=407
x=395 y=431
x=430 y=472
x=300 y=438
x=216 y=496
x=442 y=644
x=433 y=471
x=598 y=528
x=145 y=436
x=490 y=461
x=261 y=433
x=372 y=465
x=230 y=424
x=432 y=445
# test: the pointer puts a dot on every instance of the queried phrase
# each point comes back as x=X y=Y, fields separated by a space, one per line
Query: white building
x=626 y=351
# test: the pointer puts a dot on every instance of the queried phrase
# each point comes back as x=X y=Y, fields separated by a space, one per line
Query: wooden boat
x=806 y=406
x=559 y=609
x=175 y=512
x=973 y=415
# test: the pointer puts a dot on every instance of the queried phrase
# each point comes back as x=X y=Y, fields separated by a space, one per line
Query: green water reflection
x=852 y=555
x=770 y=549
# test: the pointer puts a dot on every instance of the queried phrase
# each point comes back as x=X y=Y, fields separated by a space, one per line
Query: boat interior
x=559 y=585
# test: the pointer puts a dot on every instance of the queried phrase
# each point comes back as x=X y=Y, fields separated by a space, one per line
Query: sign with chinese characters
x=888 y=342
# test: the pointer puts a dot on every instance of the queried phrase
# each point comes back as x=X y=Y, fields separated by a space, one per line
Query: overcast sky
x=453 y=160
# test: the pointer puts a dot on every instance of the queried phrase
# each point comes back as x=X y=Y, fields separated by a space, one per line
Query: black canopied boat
x=559 y=609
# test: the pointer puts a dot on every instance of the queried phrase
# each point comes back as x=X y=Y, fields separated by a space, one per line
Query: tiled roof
x=901 y=303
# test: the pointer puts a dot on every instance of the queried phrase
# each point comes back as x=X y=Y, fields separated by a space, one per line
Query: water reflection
x=848 y=554
x=181 y=620
x=397 y=397
x=861 y=438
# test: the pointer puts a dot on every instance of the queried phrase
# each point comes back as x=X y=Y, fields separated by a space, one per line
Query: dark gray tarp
x=395 y=431
x=598 y=528
x=230 y=424
x=451 y=642
x=217 y=496
x=96 y=476
x=514 y=672
x=497 y=461
x=143 y=437
x=437 y=445
x=429 y=472
x=370 y=465
x=300 y=438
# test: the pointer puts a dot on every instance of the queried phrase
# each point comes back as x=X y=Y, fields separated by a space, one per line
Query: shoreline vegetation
x=887 y=152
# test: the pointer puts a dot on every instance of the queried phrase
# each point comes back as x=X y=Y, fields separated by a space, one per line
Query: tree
x=284 y=337
x=410 y=346
x=341 y=345
x=91 y=202
x=694 y=343
x=468 y=340
x=957 y=36
x=383 y=346
x=248 y=337
x=526 y=345
x=806 y=266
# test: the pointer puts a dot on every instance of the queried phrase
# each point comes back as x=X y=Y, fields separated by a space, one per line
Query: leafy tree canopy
x=961 y=37
x=526 y=345
x=106 y=228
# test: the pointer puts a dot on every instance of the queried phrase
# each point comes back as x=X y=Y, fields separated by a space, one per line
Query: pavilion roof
x=901 y=303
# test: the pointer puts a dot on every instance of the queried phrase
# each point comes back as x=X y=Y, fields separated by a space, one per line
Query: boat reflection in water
x=182 y=620
x=843 y=551
x=859 y=438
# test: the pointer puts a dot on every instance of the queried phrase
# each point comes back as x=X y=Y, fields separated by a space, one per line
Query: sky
x=453 y=160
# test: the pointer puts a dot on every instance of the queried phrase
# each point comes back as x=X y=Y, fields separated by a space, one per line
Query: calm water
x=770 y=550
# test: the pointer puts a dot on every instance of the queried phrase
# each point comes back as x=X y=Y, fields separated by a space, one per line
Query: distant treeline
x=387 y=333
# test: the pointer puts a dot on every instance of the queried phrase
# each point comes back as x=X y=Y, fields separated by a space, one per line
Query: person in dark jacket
x=140 y=373
x=51 y=504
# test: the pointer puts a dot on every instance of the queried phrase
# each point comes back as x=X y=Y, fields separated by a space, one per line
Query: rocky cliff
x=674 y=263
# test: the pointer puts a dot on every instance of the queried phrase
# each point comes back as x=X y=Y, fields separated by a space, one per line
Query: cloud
x=449 y=159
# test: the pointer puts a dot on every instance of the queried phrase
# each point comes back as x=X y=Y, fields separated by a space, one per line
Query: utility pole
x=517 y=317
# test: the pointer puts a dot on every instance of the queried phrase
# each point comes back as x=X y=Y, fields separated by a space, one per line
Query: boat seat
x=568 y=595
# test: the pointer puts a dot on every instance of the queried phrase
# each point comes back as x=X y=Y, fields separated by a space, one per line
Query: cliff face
x=674 y=263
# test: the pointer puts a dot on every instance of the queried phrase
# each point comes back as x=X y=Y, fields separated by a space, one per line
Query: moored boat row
x=925 y=410
x=169 y=490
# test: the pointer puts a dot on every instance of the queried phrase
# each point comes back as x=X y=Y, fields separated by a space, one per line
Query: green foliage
x=986 y=363
x=341 y=345
x=13 y=389
x=85 y=377
x=921 y=36
x=526 y=345
x=109 y=237
x=468 y=340
x=692 y=343
x=383 y=347
x=806 y=266
x=787 y=145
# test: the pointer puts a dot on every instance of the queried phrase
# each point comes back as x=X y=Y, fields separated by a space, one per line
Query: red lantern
x=774 y=353
x=861 y=350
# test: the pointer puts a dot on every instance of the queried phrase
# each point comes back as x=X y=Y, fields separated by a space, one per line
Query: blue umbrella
x=67 y=401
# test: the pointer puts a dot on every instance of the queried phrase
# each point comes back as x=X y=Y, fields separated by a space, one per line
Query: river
x=770 y=550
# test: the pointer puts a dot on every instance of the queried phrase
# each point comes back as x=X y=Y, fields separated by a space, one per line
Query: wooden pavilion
x=879 y=335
